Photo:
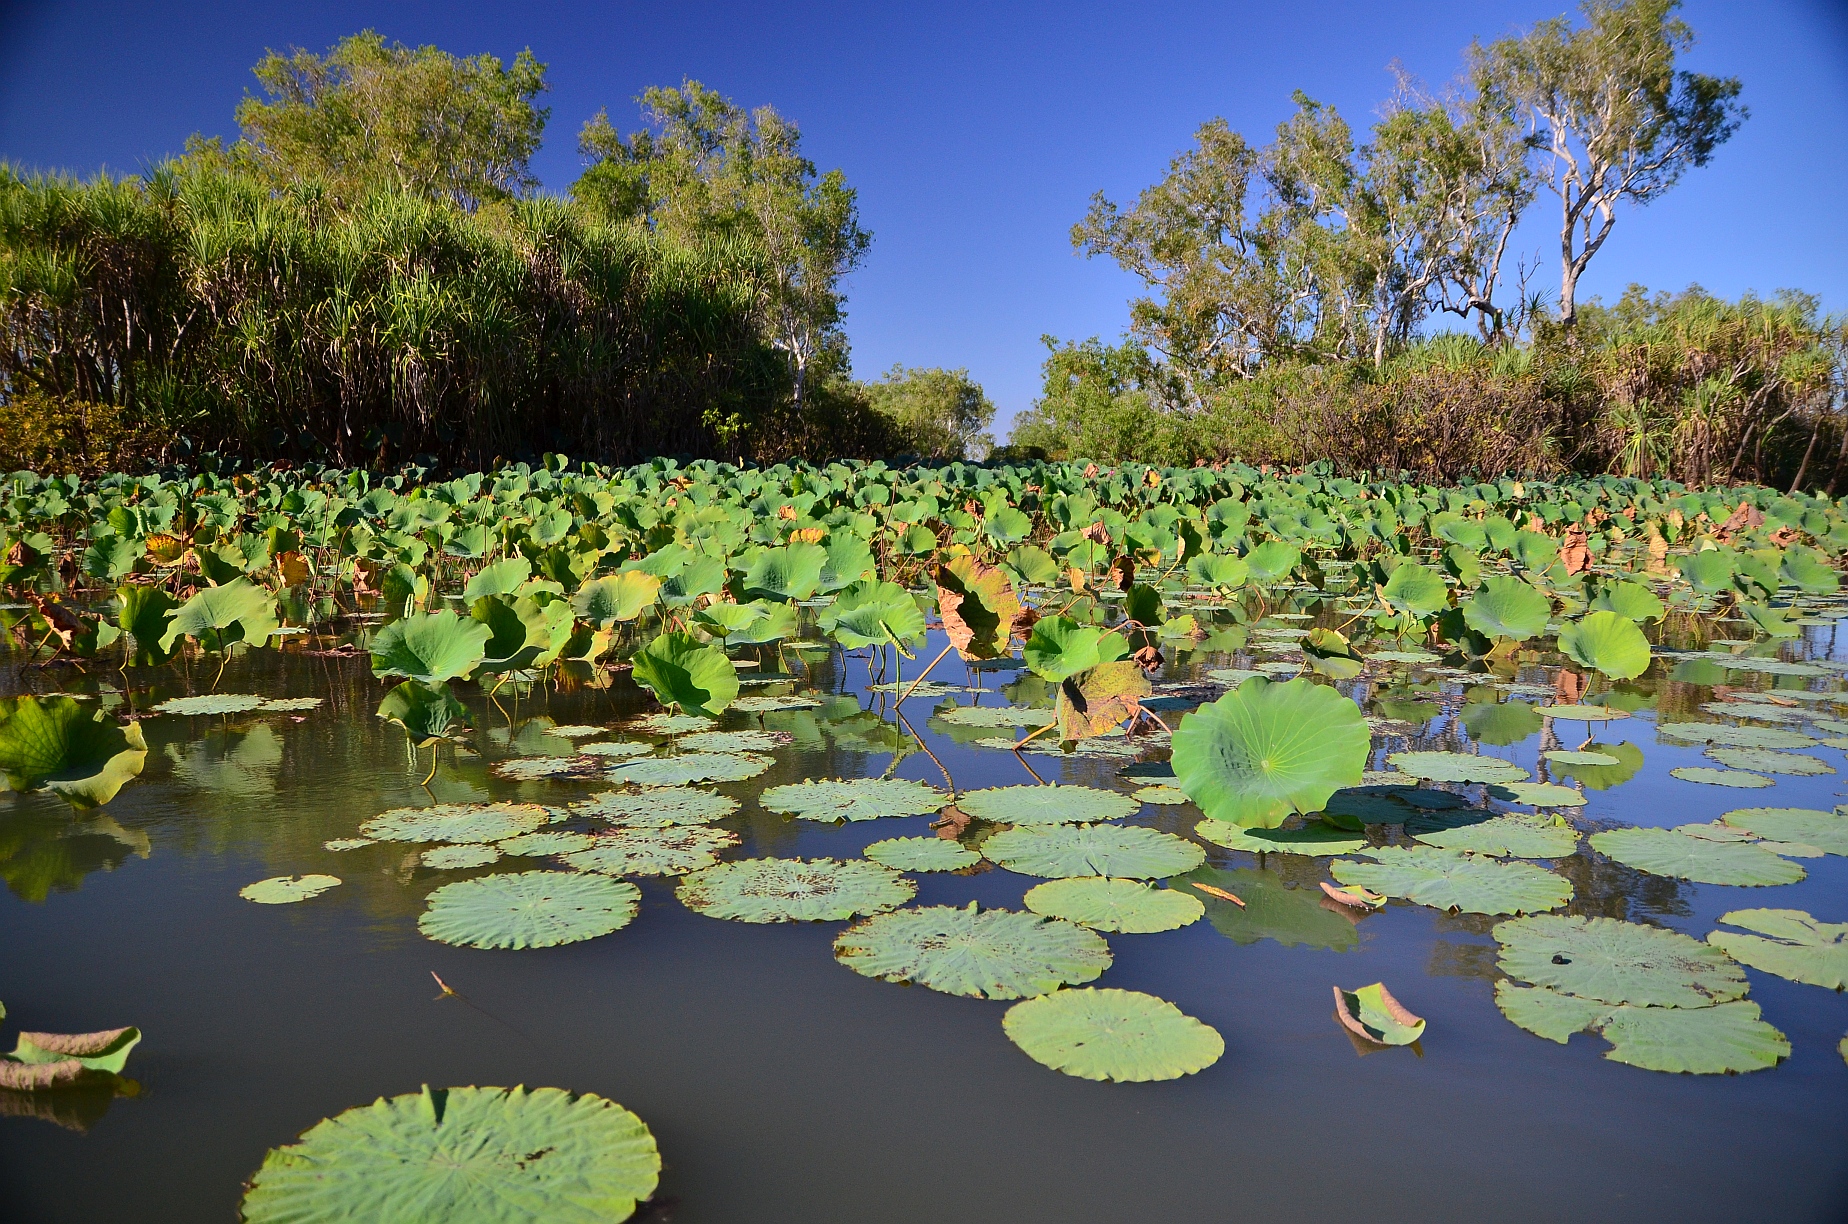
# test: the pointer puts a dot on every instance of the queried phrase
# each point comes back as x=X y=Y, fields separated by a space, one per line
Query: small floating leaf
x=1060 y=851
x=1372 y=1014
x=528 y=909
x=657 y=808
x=448 y=858
x=837 y=799
x=989 y=954
x=1455 y=767
x=282 y=890
x=1671 y=852
x=795 y=890
x=1162 y=796
x=1582 y=713
x=1129 y=906
x=1514 y=836
x=456 y=822
x=1765 y=760
x=1827 y=831
x=692 y=767
x=648 y=852
x=211 y=703
x=1271 y=909
x=921 y=854
x=544 y=842
x=1720 y=777
x=1045 y=805
x=535 y=769
x=729 y=741
x=1118 y=1035
x=1451 y=879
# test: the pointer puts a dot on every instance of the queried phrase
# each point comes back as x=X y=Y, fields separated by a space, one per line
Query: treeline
x=369 y=275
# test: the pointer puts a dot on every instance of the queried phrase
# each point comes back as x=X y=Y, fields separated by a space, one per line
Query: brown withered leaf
x=1221 y=893
x=166 y=549
x=1570 y=686
x=1123 y=569
x=293 y=567
x=1075 y=576
x=786 y=513
x=41 y=1077
x=1783 y=537
x=1090 y=471
x=807 y=535
x=1745 y=517
x=1097 y=533
x=1148 y=658
x=952 y=823
x=1575 y=551
x=978 y=606
x=1098 y=700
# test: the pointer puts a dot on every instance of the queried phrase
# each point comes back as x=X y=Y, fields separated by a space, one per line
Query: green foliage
x=686 y=675
x=56 y=744
x=936 y=414
x=1264 y=752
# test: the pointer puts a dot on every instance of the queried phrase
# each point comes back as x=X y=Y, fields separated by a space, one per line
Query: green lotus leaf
x=1043 y=805
x=849 y=561
x=1059 y=851
x=1537 y=794
x=1708 y=571
x=535 y=769
x=853 y=799
x=1330 y=654
x=1670 y=852
x=519 y=631
x=1451 y=879
x=1402 y=656
x=1164 y=796
x=1795 y=945
x=456 y=822
x=1548 y=1013
x=1720 y=1040
x=1117 y=1035
x=1128 y=906
x=1265 y=751
x=1218 y=572
x=528 y=909
x=1413 y=588
x=1609 y=642
x=291 y=705
x=617 y=749
x=282 y=890
x=1503 y=836
x=1720 y=777
x=657 y=807
x=1582 y=713
x=987 y=954
x=785 y=574
x=921 y=854
x=617 y=597
x=1631 y=600
x=1827 y=831
x=1579 y=758
x=545 y=843
x=1385 y=803
x=55 y=744
x=501 y=578
x=1766 y=760
x=42 y=1061
x=664 y=723
x=691 y=767
x=1806 y=570
x=430 y=647
x=729 y=741
x=1617 y=962
x=1508 y=608
x=145 y=615
x=1060 y=648
x=220 y=615
x=766 y=705
x=1374 y=1015
x=873 y=613
x=1500 y=723
x=675 y=850
x=1314 y=838
x=1455 y=767
x=463 y=1156
x=795 y=890
x=1033 y=566
x=699 y=577
x=1271 y=562
x=340 y=844
x=696 y=679
x=456 y=858
x=210 y=703
x=995 y=716
x=426 y=713
x=1728 y=735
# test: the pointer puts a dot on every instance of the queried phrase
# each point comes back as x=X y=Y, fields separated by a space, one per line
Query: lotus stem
x=927 y=752
x=1033 y=735
x=432 y=774
x=914 y=684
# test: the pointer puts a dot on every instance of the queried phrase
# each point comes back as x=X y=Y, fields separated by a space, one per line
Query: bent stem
x=432 y=775
x=914 y=684
x=1033 y=735
x=927 y=752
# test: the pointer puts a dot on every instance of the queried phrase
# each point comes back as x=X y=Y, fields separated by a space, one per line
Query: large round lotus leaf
x=996 y=716
x=657 y=808
x=528 y=909
x=853 y=798
x=1765 y=760
x=681 y=672
x=1506 y=607
x=921 y=854
x=666 y=723
x=1796 y=945
x=1670 y=852
x=1752 y=710
x=1118 y=1035
x=1721 y=777
x=534 y=769
x=1413 y=588
x=690 y=767
x=672 y=851
x=1273 y=909
x=281 y=890
x=1617 y=962
x=56 y=744
x=462 y=1156
x=1582 y=713
x=426 y=713
x=1271 y=561
x=1537 y=794
x=1548 y=1013
x=1609 y=642
x=211 y=703
x=1103 y=850
x=1060 y=648
x=794 y=890
x=1728 y=735
x=430 y=647
x=1499 y=724
x=451 y=858
x=1720 y=1040
x=1265 y=751
x=989 y=954
x=616 y=748
x=1515 y=836
x=1451 y=879
x=1455 y=767
x=1129 y=906
x=1314 y=838
x=730 y=741
x=1827 y=831
x=546 y=842
x=1041 y=805
x=456 y=822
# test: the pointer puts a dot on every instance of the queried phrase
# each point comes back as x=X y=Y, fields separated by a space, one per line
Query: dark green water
x=783 y=1087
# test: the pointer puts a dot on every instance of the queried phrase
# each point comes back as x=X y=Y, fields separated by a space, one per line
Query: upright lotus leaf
x=500 y=578
x=464 y=1156
x=1372 y=1014
x=617 y=597
x=788 y=573
x=1033 y=566
x=987 y=954
x=1451 y=879
x=145 y=615
x=1265 y=751
x=1118 y=1035
x=1414 y=589
x=874 y=613
x=528 y=909
x=1670 y=852
x=426 y=712
x=519 y=631
x=700 y=576
x=1608 y=642
x=1330 y=654
x=1271 y=562
x=1061 y=647
x=1507 y=608
x=220 y=615
x=1630 y=600
x=1617 y=962
x=55 y=744
x=1708 y=571
x=1809 y=572
x=680 y=672
x=1218 y=572
x=849 y=561
x=430 y=647
x=978 y=605
x=1794 y=945
x=1100 y=699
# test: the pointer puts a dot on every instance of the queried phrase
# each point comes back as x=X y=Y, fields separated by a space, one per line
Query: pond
x=782 y=1086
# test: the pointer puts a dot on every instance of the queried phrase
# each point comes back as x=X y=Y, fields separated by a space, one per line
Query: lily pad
x=1119 y=1035
x=1720 y=777
x=1129 y=906
x=463 y=1156
x=1580 y=758
x=730 y=741
x=1061 y=851
x=690 y=767
x=546 y=842
x=1794 y=945
x=795 y=890
x=988 y=954
x=1617 y=962
x=1546 y=1013
x=769 y=705
x=338 y=844
x=647 y=852
x=528 y=909
x=1451 y=879
x=1313 y=838
x=1161 y=796
x=211 y=703
x=1827 y=831
x=282 y=890
x=1767 y=761
x=535 y=769
x=1537 y=794
x=1582 y=713
x=667 y=723
x=1045 y=805
x=836 y=799
x=996 y=716
x=1671 y=852
x=1455 y=767
x=291 y=705
x=448 y=858
x=456 y=822
x=1265 y=751
x=921 y=854
x=657 y=808
x=1733 y=736
x=1510 y=836
x=1725 y=1039
x=616 y=748
x=1372 y=1014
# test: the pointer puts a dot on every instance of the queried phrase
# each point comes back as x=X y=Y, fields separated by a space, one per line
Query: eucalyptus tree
x=940 y=414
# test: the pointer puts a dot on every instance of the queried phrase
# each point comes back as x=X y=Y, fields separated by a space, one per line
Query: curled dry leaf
x=1221 y=893
x=1355 y=896
x=1575 y=552
x=1372 y=1014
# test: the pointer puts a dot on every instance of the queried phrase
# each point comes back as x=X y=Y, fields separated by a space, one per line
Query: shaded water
x=783 y=1087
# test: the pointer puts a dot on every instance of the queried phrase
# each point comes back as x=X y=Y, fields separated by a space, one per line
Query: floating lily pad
x=210 y=703
x=1617 y=962
x=1266 y=751
x=616 y=748
x=996 y=716
x=338 y=844
x=1451 y=879
x=692 y=767
x=766 y=705
x=1580 y=758
x=1537 y=794
x=1728 y=1038
x=1794 y=945
x=1045 y=805
x=281 y=890
x=1118 y=1035
x=669 y=851
x=1129 y=906
x=1105 y=850
x=528 y=909
x=837 y=799
x=1582 y=713
x=456 y=822
x=795 y=890
x=657 y=808
x=1161 y=796
x=1735 y=737
x=1510 y=836
x=546 y=842
x=577 y=731
x=1767 y=761
x=534 y=769
x=1827 y=831
x=291 y=705
x=665 y=723
x=989 y=954
x=1720 y=777
x=1372 y=1014
x=1670 y=852
x=448 y=858
x=921 y=854
x=731 y=741
x=1455 y=767
x=463 y=1156
x=1386 y=803
x=1313 y=838
x=1546 y=1013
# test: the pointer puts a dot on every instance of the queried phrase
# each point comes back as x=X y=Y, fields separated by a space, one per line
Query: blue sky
x=976 y=133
